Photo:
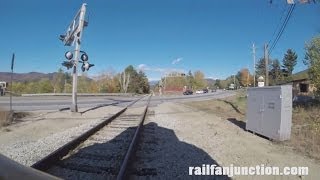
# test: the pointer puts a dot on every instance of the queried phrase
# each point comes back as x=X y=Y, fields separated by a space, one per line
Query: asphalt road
x=59 y=102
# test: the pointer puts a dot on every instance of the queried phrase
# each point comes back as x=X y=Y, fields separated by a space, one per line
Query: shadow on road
x=159 y=155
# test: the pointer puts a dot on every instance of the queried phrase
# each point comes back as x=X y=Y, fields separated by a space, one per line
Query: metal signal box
x=269 y=111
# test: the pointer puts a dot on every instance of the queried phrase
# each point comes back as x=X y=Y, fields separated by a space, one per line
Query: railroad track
x=103 y=152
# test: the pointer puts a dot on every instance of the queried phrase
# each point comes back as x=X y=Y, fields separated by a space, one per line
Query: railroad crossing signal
x=72 y=37
x=71 y=62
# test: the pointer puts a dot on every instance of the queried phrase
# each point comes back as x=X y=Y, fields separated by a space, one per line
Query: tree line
x=279 y=72
x=176 y=81
x=107 y=82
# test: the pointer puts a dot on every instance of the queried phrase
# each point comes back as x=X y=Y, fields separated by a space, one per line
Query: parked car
x=188 y=92
x=199 y=92
x=205 y=90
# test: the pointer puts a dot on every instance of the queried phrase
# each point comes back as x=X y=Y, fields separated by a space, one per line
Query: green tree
x=138 y=81
x=143 y=83
x=261 y=67
x=275 y=72
x=44 y=86
x=217 y=84
x=312 y=59
x=289 y=61
x=134 y=80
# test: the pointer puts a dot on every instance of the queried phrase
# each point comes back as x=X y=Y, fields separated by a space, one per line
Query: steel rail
x=46 y=162
x=124 y=165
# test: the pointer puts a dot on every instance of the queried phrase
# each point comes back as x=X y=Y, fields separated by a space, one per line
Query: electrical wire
x=284 y=12
x=282 y=28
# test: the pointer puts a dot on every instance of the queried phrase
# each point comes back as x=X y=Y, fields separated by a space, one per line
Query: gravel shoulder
x=177 y=136
x=39 y=134
x=204 y=138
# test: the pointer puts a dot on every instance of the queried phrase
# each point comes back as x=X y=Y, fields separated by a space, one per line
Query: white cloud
x=210 y=77
x=144 y=67
x=176 y=61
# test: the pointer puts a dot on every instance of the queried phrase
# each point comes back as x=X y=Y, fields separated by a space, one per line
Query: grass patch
x=230 y=107
x=305 y=131
x=7 y=118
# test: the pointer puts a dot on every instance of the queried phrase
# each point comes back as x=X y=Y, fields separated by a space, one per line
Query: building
x=301 y=84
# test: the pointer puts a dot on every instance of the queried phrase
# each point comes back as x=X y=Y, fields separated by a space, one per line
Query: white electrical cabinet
x=269 y=111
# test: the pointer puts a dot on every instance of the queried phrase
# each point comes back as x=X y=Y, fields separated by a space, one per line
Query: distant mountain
x=210 y=81
x=22 y=77
x=153 y=83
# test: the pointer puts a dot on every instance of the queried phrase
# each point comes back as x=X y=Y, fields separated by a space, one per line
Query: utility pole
x=254 y=64
x=248 y=76
x=266 y=63
x=12 y=64
x=234 y=81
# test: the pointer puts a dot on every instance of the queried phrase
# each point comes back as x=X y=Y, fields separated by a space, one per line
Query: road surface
x=60 y=102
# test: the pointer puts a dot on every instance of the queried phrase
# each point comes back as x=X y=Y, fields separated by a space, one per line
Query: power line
x=282 y=28
x=284 y=10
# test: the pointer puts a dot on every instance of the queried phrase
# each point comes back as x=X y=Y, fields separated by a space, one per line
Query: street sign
x=12 y=62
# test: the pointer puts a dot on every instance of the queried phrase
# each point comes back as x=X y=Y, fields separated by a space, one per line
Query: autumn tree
x=312 y=59
x=83 y=84
x=190 y=79
x=244 y=77
x=174 y=81
x=199 y=81
x=58 y=81
x=108 y=82
x=124 y=79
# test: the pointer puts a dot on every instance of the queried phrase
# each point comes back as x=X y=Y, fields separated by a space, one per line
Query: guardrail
x=79 y=94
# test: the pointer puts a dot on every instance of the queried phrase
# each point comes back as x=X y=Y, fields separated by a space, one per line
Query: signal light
x=84 y=57
x=86 y=66
x=68 y=55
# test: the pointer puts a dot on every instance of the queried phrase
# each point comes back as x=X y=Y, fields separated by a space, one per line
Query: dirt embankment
x=225 y=140
x=305 y=132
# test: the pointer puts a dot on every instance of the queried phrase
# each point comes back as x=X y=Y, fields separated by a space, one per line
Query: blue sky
x=159 y=36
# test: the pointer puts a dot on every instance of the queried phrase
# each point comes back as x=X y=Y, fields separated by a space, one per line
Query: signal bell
x=68 y=64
